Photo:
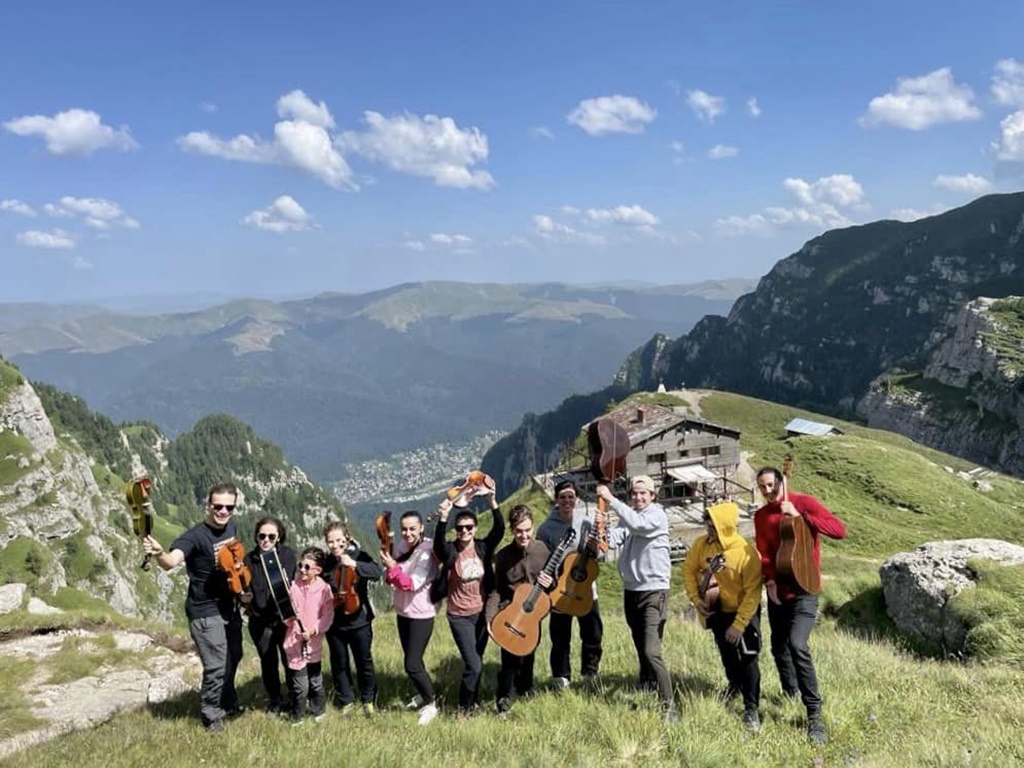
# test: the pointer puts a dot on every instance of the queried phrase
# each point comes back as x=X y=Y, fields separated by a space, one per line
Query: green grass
x=994 y=612
x=81 y=657
x=883 y=706
x=15 y=713
x=13 y=448
x=24 y=561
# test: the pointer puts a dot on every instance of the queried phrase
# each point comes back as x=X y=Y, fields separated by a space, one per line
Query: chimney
x=641 y=412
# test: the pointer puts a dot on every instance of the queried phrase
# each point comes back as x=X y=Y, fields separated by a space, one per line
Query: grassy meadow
x=886 y=703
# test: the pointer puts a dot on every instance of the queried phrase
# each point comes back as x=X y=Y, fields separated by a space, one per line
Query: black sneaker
x=751 y=720
x=816 y=731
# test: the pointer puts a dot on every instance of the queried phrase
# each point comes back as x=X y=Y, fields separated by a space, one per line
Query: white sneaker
x=560 y=682
x=415 y=702
x=427 y=714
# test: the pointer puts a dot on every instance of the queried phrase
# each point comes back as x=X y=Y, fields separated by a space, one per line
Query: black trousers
x=791 y=625
x=268 y=637
x=414 y=634
x=591 y=634
x=357 y=641
x=308 y=684
x=741 y=670
x=516 y=674
x=646 y=614
x=470 y=634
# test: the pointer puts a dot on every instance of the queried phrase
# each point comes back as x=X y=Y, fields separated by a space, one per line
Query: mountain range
x=341 y=378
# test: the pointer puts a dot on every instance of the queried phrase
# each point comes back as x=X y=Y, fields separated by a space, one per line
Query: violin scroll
x=383 y=526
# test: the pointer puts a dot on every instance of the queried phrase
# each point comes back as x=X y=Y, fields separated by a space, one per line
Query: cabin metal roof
x=816 y=428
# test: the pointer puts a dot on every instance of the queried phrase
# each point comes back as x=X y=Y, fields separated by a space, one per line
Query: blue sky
x=247 y=150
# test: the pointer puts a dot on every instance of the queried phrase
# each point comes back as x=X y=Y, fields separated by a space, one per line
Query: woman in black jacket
x=266 y=628
x=352 y=629
x=467 y=576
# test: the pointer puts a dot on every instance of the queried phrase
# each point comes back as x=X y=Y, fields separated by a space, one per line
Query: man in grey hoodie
x=641 y=539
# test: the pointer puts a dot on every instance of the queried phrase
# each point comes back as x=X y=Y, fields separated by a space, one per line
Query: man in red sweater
x=791 y=610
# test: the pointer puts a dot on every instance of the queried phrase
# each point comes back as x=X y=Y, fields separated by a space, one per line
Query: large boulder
x=918 y=586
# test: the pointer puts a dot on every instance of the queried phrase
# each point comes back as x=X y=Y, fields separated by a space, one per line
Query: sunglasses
x=266 y=536
x=463 y=528
x=219 y=507
x=307 y=566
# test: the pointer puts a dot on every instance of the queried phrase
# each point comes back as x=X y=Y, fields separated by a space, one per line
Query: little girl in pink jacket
x=303 y=642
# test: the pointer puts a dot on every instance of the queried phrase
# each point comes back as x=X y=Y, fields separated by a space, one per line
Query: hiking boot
x=215 y=726
x=319 y=718
x=297 y=720
x=816 y=730
x=560 y=683
x=751 y=720
x=369 y=709
x=347 y=710
x=504 y=707
x=427 y=714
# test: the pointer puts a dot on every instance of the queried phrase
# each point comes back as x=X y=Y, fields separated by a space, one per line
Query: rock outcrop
x=918 y=586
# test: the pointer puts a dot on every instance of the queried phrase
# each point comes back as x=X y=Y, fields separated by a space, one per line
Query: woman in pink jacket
x=410 y=573
x=303 y=643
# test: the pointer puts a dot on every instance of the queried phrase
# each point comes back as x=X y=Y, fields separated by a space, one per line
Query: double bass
x=795 y=557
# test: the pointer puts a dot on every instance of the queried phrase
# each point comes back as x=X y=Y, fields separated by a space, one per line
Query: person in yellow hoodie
x=734 y=618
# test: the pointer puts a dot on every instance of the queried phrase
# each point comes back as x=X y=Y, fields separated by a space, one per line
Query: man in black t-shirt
x=213 y=618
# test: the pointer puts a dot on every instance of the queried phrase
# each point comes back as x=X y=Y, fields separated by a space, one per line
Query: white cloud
x=243 y=148
x=73 y=132
x=706 y=106
x=1008 y=83
x=820 y=204
x=632 y=215
x=16 y=206
x=550 y=229
x=969 y=183
x=443 y=239
x=754 y=107
x=913 y=214
x=541 y=132
x=309 y=148
x=430 y=146
x=301 y=142
x=921 y=102
x=414 y=245
x=839 y=189
x=283 y=215
x=1010 y=147
x=58 y=238
x=298 y=106
x=720 y=151
x=612 y=114
x=208 y=107
x=96 y=212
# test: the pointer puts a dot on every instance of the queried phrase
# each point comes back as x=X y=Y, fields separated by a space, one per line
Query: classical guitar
x=574 y=592
x=795 y=557
x=136 y=493
x=516 y=627
x=707 y=590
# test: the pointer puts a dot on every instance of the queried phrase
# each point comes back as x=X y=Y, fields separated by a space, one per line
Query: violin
x=383 y=526
x=476 y=483
x=136 y=493
x=231 y=560
x=345 y=596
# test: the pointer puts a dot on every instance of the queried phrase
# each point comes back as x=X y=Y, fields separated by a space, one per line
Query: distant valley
x=343 y=378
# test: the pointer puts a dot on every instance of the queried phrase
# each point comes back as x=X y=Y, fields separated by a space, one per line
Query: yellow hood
x=726 y=518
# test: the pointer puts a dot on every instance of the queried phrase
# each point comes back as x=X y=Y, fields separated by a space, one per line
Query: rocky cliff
x=967 y=400
x=865 y=302
x=64 y=528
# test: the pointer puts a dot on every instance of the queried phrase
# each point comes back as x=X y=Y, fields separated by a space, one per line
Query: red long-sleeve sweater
x=766 y=534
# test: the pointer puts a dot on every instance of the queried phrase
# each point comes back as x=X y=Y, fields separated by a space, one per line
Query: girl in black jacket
x=352 y=630
x=266 y=628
